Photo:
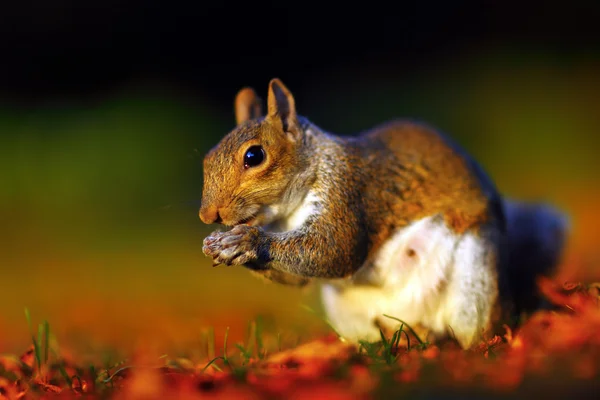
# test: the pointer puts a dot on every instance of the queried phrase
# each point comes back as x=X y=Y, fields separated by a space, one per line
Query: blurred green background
x=99 y=193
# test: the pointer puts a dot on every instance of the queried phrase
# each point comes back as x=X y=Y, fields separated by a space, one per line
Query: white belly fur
x=424 y=274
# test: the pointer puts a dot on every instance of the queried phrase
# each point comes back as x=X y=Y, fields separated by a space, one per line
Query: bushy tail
x=536 y=235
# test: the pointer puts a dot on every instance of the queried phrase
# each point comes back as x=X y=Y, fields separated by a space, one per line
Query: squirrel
x=396 y=220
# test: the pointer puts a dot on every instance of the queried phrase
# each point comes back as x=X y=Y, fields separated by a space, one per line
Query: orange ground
x=554 y=353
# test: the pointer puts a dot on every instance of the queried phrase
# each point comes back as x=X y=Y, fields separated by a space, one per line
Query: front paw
x=238 y=246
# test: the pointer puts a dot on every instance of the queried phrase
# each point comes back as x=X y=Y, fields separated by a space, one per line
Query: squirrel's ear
x=247 y=105
x=282 y=107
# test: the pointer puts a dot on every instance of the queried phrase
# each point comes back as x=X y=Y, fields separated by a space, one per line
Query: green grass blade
x=395 y=339
x=211 y=342
x=372 y=350
x=65 y=376
x=241 y=348
x=407 y=341
x=310 y=310
x=383 y=338
x=28 y=318
x=258 y=335
x=36 y=352
x=251 y=338
x=36 y=343
x=38 y=346
x=399 y=337
x=246 y=353
x=225 y=359
x=407 y=326
x=212 y=362
x=46 y=340
x=116 y=373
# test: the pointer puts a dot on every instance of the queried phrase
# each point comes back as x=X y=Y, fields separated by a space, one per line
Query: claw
x=209 y=241
x=208 y=250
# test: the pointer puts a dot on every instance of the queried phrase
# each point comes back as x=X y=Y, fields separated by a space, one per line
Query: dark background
x=69 y=48
x=107 y=108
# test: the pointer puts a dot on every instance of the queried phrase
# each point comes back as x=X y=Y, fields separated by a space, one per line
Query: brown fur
x=247 y=106
x=368 y=187
x=411 y=172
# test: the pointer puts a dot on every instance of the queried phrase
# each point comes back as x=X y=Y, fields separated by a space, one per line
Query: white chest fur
x=424 y=274
x=307 y=208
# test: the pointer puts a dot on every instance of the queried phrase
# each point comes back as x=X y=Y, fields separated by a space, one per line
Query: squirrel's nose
x=210 y=215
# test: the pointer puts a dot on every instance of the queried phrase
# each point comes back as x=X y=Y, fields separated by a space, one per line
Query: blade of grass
x=28 y=318
x=389 y=349
x=116 y=373
x=64 y=374
x=225 y=359
x=46 y=340
x=407 y=340
x=36 y=343
x=383 y=338
x=310 y=310
x=399 y=336
x=212 y=362
x=40 y=337
x=396 y=339
x=372 y=350
x=258 y=336
x=407 y=326
x=251 y=341
x=36 y=347
x=246 y=353
x=211 y=342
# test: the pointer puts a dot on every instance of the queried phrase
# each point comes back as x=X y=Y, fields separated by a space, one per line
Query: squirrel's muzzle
x=210 y=214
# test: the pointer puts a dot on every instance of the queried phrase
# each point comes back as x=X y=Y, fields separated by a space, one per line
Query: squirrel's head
x=248 y=172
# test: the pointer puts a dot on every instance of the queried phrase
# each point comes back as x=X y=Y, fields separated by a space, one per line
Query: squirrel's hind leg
x=472 y=290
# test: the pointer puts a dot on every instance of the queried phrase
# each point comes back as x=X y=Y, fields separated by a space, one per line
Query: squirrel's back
x=411 y=171
x=413 y=158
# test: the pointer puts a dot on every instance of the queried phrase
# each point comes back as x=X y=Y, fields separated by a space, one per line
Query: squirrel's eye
x=254 y=156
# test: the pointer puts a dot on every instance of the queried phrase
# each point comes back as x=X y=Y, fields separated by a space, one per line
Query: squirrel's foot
x=238 y=246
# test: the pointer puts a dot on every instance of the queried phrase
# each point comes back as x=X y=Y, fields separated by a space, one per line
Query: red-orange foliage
x=552 y=349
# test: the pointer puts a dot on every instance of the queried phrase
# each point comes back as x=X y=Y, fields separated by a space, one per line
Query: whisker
x=184 y=204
